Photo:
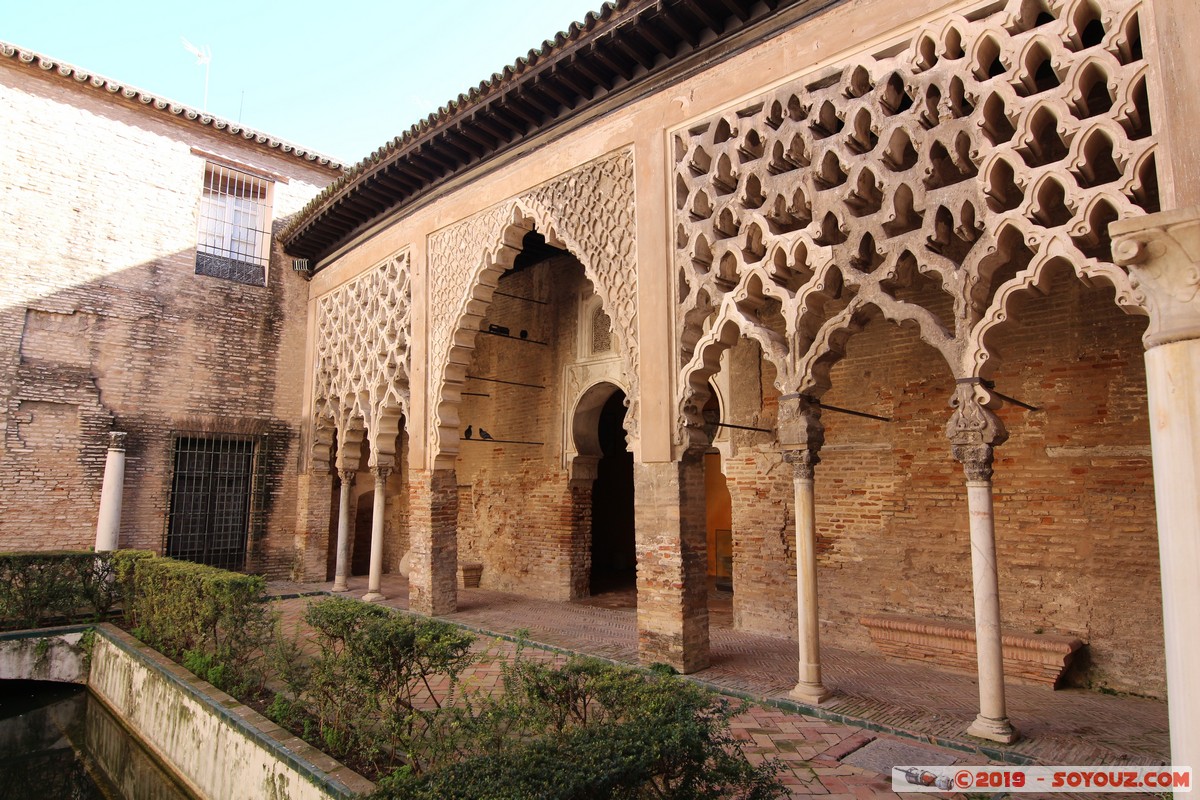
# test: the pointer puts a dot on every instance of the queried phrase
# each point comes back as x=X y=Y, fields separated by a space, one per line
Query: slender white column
x=375 y=579
x=809 y=689
x=975 y=431
x=108 y=525
x=341 y=570
x=1162 y=252
x=992 y=721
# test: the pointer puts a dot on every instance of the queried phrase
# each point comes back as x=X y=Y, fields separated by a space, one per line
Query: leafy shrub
x=373 y=693
x=593 y=730
x=214 y=621
x=37 y=589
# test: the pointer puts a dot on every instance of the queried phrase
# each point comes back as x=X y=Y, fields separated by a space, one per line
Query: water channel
x=57 y=742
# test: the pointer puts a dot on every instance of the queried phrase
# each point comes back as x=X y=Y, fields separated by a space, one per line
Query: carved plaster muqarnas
x=928 y=183
x=588 y=211
x=362 y=352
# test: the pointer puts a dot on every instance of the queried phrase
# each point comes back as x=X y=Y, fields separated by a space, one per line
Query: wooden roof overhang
x=588 y=68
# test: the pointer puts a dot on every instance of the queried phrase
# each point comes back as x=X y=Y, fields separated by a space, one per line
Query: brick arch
x=589 y=213
x=929 y=184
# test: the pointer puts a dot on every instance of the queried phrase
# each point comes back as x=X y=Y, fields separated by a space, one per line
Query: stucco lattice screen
x=362 y=348
x=588 y=211
x=929 y=183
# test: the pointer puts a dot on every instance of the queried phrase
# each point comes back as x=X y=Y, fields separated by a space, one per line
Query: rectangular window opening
x=218 y=494
x=234 y=240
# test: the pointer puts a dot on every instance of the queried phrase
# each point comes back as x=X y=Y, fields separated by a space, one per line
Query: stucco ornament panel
x=929 y=184
x=589 y=212
x=362 y=351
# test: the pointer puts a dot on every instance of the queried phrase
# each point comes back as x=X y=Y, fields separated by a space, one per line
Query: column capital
x=1162 y=253
x=116 y=440
x=381 y=471
x=347 y=476
x=804 y=463
x=974 y=429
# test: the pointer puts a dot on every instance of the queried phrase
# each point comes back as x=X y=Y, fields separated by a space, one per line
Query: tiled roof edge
x=454 y=109
x=67 y=71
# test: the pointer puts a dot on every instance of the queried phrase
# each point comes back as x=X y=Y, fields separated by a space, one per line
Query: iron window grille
x=234 y=241
x=218 y=498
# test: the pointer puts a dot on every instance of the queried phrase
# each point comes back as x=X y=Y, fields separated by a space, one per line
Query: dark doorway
x=360 y=545
x=614 y=553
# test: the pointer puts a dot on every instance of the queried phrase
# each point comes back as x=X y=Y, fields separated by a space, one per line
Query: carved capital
x=974 y=420
x=381 y=472
x=804 y=463
x=116 y=440
x=346 y=476
x=976 y=460
x=1162 y=253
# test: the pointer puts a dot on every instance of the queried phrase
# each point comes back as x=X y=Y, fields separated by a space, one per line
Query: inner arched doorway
x=613 y=548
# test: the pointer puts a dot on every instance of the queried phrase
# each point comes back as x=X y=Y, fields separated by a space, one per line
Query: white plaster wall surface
x=44 y=655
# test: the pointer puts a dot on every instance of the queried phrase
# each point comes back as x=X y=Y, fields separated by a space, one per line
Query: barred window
x=235 y=226
x=217 y=498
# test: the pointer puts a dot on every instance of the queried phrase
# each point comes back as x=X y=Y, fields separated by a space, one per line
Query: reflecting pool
x=57 y=742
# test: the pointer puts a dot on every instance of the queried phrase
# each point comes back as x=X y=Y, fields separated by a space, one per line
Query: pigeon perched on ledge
x=467 y=433
x=484 y=434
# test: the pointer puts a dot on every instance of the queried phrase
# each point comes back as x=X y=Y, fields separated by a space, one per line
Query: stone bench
x=1037 y=658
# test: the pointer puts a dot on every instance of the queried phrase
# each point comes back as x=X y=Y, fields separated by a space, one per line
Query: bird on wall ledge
x=467 y=433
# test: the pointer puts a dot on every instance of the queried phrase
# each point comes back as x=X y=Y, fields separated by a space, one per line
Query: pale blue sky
x=341 y=77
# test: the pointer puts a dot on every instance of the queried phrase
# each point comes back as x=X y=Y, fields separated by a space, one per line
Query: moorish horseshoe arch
x=362 y=352
x=589 y=212
x=962 y=168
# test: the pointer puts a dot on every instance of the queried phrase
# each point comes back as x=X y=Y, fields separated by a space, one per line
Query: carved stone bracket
x=801 y=434
x=1162 y=253
x=974 y=429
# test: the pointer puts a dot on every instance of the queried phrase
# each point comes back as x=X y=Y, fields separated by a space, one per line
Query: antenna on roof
x=203 y=56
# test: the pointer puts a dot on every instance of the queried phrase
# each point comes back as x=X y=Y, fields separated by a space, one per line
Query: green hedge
x=214 y=622
x=45 y=588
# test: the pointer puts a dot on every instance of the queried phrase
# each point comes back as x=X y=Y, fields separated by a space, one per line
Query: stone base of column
x=373 y=597
x=340 y=586
x=811 y=693
x=996 y=730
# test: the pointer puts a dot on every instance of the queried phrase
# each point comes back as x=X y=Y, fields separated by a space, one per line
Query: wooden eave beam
x=686 y=34
x=581 y=65
x=609 y=60
x=636 y=54
x=705 y=18
x=581 y=91
x=737 y=9
x=547 y=87
x=528 y=99
x=649 y=34
x=482 y=120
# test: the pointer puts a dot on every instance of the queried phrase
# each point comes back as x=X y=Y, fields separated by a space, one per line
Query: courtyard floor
x=882 y=713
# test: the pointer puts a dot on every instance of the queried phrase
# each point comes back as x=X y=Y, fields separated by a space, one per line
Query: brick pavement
x=889 y=700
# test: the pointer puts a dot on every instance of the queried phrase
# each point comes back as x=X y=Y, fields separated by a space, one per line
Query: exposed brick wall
x=517 y=512
x=1075 y=529
x=105 y=324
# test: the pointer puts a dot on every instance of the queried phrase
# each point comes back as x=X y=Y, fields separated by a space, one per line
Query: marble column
x=801 y=435
x=375 y=579
x=1162 y=253
x=341 y=571
x=108 y=525
x=974 y=431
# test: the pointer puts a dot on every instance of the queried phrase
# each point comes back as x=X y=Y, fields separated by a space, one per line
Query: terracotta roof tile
x=67 y=71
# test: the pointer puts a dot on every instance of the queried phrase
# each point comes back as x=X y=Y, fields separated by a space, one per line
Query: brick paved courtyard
x=876 y=703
